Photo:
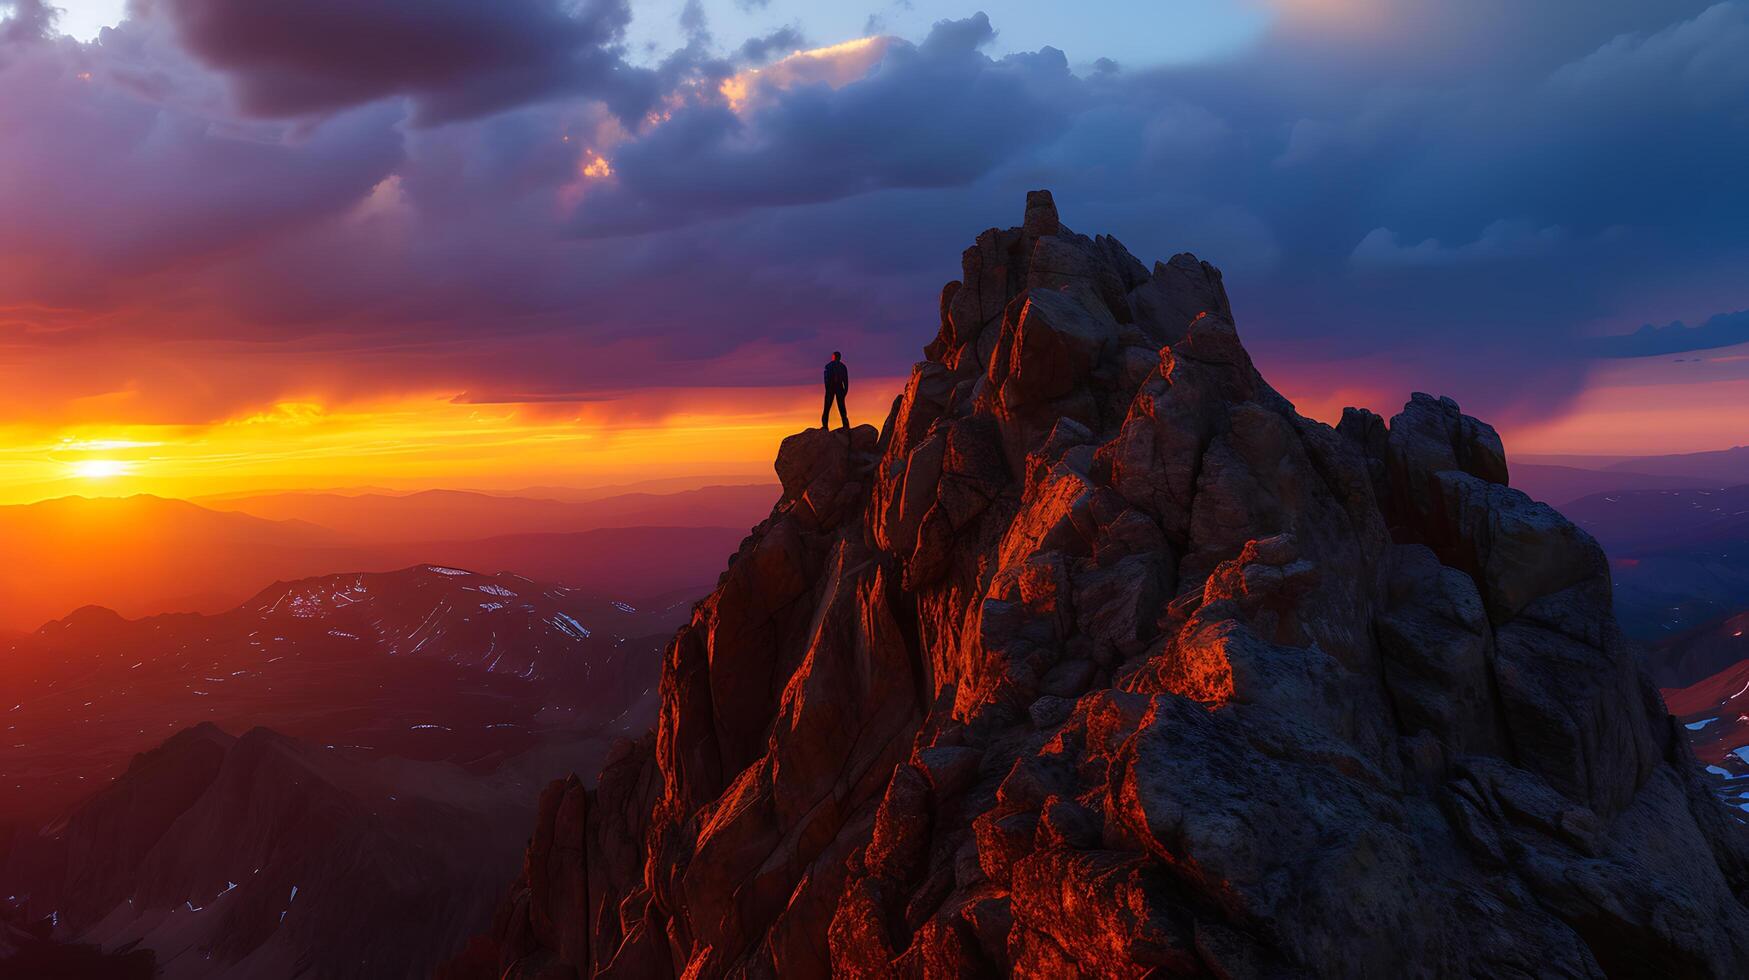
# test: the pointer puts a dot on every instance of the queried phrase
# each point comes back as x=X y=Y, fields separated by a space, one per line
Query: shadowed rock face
x=1101 y=660
x=266 y=856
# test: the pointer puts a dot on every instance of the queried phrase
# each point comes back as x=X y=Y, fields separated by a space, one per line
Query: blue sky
x=1132 y=32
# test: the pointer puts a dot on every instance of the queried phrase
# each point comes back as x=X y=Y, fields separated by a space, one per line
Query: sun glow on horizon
x=433 y=441
x=508 y=442
x=100 y=469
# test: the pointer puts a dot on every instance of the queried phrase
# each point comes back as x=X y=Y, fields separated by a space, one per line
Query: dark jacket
x=837 y=375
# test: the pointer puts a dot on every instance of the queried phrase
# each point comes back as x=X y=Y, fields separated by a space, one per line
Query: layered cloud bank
x=217 y=206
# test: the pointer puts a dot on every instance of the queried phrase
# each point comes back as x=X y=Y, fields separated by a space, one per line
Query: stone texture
x=1100 y=660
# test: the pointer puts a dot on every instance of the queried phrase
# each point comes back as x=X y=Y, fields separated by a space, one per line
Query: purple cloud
x=549 y=240
x=935 y=114
x=456 y=59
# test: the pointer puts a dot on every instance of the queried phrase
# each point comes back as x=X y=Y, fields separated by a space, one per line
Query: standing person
x=837 y=386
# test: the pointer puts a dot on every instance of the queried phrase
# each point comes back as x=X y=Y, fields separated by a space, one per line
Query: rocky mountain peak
x=1101 y=660
x=85 y=620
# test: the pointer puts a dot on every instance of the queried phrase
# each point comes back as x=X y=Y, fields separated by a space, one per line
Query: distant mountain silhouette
x=1718 y=466
x=623 y=560
x=133 y=553
x=1721 y=465
x=1561 y=485
x=465 y=514
x=143 y=555
x=660 y=485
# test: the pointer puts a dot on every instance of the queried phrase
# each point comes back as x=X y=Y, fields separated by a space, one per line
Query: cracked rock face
x=1100 y=660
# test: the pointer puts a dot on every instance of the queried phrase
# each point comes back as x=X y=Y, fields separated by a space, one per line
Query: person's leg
x=826 y=411
x=842 y=414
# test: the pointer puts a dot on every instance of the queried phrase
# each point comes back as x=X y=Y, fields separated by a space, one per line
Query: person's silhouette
x=837 y=386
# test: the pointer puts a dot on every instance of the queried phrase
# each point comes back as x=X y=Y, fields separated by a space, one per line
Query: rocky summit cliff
x=1100 y=660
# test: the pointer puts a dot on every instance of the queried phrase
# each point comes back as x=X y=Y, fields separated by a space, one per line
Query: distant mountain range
x=143 y=555
x=660 y=485
x=1560 y=480
x=450 y=514
x=325 y=778
x=1559 y=485
x=1722 y=466
x=327 y=769
x=427 y=663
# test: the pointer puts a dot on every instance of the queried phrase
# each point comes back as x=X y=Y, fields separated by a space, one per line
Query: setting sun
x=100 y=469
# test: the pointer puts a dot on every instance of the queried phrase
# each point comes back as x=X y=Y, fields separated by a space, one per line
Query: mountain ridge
x=162 y=554
x=401 y=518
x=1099 y=659
x=428 y=662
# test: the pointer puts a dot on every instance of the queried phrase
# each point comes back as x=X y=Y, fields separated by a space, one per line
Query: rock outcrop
x=1100 y=660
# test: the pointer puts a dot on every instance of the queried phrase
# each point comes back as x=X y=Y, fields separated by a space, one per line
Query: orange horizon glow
x=1645 y=407
x=437 y=440
x=425 y=442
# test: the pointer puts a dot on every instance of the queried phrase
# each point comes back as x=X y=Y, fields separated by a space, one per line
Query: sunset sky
x=414 y=243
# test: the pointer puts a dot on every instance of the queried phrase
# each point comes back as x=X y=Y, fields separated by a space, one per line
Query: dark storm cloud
x=456 y=58
x=1472 y=223
x=109 y=176
x=1426 y=193
x=936 y=114
x=1723 y=330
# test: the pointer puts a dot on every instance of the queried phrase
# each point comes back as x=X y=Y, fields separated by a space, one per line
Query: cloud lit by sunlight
x=103 y=445
x=597 y=166
x=835 y=65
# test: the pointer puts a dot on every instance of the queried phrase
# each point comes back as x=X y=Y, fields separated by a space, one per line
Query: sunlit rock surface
x=1102 y=661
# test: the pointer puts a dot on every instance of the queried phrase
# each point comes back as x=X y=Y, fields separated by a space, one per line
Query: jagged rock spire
x=1101 y=660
